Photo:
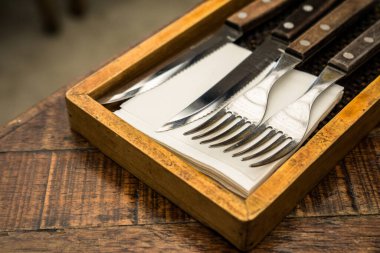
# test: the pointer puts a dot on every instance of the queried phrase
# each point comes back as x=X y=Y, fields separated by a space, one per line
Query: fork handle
x=328 y=27
x=359 y=50
x=364 y=47
x=306 y=14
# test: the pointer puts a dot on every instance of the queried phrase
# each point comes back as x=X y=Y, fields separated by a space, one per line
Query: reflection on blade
x=221 y=37
x=147 y=83
x=248 y=74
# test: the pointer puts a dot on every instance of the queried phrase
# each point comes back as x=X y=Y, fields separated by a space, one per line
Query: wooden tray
x=244 y=222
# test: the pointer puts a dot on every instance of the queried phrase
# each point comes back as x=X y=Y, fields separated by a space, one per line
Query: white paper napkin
x=151 y=110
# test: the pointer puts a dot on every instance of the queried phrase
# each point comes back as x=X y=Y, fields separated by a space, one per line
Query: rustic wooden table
x=59 y=193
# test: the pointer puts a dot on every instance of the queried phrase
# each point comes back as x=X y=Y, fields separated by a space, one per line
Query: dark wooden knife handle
x=328 y=27
x=256 y=13
x=305 y=15
x=359 y=50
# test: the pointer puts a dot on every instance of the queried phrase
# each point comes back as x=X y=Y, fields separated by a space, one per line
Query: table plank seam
x=351 y=193
x=12 y=128
x=84 y=149
x=176 y=223
x=95 y=227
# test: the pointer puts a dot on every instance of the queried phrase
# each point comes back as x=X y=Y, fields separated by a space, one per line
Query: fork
x=286 y=129
x=256 y=98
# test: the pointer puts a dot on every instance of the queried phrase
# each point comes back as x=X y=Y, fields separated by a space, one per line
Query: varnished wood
x=58 y=192
x=329 y=26
x=362 y=48
x=305 y=15
x=256 y=13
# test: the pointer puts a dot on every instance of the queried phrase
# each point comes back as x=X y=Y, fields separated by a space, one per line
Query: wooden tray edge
x=246 y=222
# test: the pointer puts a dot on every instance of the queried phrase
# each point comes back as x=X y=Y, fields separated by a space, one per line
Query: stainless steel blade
x=197 y=52
x=252 y=70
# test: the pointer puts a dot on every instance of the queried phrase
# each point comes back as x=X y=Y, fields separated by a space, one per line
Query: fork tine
x=272 y=146
x=241 y=135
x=284 y=151
x=217 y=128
x=232 y=129
x=262 y=141
x=208 y=122
x=251 y=134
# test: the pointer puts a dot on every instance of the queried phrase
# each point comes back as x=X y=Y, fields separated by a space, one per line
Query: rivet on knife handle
x=328 y=27
x=258 y=11
x=359 y=50
x=305 y=15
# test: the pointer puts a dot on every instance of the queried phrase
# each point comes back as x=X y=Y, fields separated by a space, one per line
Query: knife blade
x=235 y=26
x=255 y=67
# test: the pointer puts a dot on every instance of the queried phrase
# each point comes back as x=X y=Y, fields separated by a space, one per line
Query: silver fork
x=291 y=123
x=288 y=125
x=285 y=130
x=256 y=99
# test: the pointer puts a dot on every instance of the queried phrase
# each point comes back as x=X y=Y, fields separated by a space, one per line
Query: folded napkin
x=151 y=110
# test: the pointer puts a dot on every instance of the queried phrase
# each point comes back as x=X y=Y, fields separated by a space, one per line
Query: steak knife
x=235 y=26
x=256 y=66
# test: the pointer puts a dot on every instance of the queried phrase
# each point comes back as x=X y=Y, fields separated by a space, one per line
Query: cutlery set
x=238 y=103
x=288 y=126
x=234 y=28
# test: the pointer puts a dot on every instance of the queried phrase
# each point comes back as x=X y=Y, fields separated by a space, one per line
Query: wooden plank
x=363 y=167
x=23 y=181
x=83 y=181
x=63 y=189
x=154 y=208
x=327 y=234
x=352 y=188
x=87 y=189
x=344 y=234
x=43 y=127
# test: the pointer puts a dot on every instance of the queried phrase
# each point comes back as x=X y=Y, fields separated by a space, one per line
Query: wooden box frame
x=244 y=222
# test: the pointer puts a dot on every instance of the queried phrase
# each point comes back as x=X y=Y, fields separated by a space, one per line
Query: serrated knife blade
x=246 y=19
x=252 y=70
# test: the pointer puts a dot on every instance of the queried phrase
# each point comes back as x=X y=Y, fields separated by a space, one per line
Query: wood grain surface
x=256 y=13
x=328 y=27
x=59 y=193
x=304 y=16
x=358 y=51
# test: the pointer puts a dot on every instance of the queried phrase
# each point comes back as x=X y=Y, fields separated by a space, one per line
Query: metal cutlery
x=235 y=26
x=255 y=99
x=255 y=66
x=287 y=128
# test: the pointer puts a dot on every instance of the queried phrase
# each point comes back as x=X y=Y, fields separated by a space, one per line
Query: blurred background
x=47 y=44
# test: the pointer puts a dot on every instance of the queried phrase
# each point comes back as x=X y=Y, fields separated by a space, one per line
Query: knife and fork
x=255 y=67
x=256 y=98
x=284 y=131
x=275 y=57
x=288 y=126
x=234 y=28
